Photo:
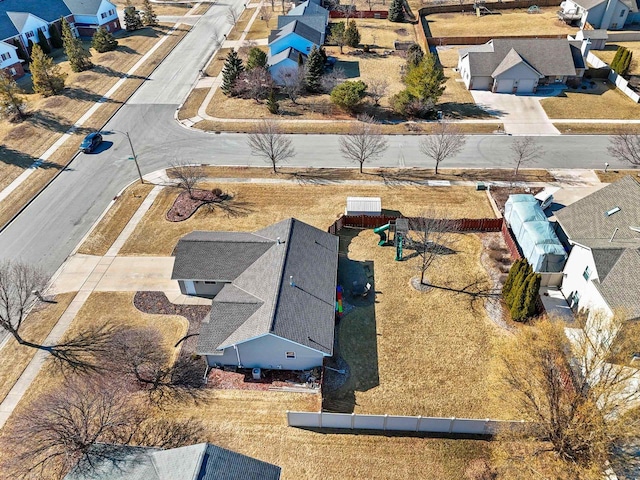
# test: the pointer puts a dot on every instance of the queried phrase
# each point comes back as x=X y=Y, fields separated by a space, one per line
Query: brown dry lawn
x=241 y=24
x=420 y=353
x=615 y=175
x=192 y=104
x=14 y=357
x=56 y=114
x=388 y=175
x=256 y=206
x=217 y=63
x=261 y=28
x=111 y=225
x=602 y=102
x=609 y=52
x=596 y=128
x=161 y=8
x=510 y=22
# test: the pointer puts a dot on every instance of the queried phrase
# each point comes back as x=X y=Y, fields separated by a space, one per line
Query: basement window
x=291 y=354
x=587 y=273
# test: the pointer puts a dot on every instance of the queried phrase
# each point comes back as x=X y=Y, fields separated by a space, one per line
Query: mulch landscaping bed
x=186 y=205
x=157 y=303
x=501 y=194
x=243 y=379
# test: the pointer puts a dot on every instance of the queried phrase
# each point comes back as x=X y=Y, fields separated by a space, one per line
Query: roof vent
x=612 y=211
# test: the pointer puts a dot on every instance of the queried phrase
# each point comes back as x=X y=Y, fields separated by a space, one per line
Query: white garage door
x=504 y=86
x=526 y=86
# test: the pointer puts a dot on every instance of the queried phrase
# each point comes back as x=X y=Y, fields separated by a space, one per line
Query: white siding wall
x=270 y=352
x=463 y=66
x=590 y=299
x=594 y=17
x=9 y=52
x=105 y=6
x=518 y=73
x=32 y=24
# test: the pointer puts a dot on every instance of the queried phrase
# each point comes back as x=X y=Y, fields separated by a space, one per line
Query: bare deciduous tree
x=625 y=147
x=430 y=237
x=82 y=422
x=139 y=354
x=445 y=142
x=20 y=287
x=187 y=176
x=233 y=15
x=268 y=141
x=255 y=83
x=364 y=142
x=291 y=80
x=525 y=150
x=577 y=398
x=266 y=14
x=377 y=88
x=331 y=79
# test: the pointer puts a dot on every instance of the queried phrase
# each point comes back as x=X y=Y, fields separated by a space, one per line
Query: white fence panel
x=473 y=427
x=436 y=425
x=595 y=61
x=371 y=422
x=399 y=423
x=623 y=85
x=623 y=37
x=304 y=419
x=336 y=420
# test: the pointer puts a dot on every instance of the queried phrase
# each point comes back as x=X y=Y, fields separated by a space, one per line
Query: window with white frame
x=103 y=15
x=5 y=56
x=587 y=273
x=30 y=34
x=291 y=354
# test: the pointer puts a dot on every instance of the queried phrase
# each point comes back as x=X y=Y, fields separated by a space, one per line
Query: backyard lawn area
x=609 y=52
x=603 y=101
x=508 y=22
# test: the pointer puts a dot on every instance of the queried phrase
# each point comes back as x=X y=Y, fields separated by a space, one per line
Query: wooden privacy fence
x=510 y=241
x=382 y=14
x=458 y=225
x=357 y=421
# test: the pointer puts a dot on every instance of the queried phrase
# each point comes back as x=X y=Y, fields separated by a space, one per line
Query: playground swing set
x=394 y=233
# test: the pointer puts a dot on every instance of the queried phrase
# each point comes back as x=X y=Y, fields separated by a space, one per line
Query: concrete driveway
x=520 y=114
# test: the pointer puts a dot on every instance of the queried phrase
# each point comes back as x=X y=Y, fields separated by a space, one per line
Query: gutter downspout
x=238 y=355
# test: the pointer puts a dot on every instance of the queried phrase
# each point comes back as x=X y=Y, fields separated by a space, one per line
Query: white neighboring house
x=505 y=65
x=604 y=232
x=9 y=60
x=89 y=15
x=600 y=14
x=28 y=25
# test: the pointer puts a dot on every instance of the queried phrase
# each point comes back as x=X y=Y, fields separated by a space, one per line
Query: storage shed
x=534 y=234
x=371 y=206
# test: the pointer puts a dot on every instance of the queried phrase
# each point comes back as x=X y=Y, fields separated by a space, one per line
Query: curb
x=64 y=167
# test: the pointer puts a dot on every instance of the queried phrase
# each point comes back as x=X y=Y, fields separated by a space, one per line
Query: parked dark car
x=90 y=142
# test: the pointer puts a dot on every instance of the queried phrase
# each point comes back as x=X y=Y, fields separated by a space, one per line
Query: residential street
x=48 y=229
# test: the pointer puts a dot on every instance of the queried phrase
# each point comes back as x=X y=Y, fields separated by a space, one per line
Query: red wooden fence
x=510 y=241
x=458 y=225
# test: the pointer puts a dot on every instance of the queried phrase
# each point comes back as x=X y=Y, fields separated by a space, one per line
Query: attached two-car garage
x=508 y=85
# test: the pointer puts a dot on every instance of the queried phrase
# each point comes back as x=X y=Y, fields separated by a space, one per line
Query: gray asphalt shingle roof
x=511 y=60
x=549 y=56
x=309 y=8
x=83 y=7
x=620 y=288
x=48 y=10
x=261 y=299
x=216 y=256
x=317 y=22
x=202 y=461
x=290 y=53
x=301 y=29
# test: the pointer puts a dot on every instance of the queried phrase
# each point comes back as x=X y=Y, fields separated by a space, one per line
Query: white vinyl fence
x=614 y=78
x=356 y=421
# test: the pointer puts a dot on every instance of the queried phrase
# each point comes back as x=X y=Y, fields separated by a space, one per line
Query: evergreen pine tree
x=300 y=60
x=396 y=12
x=414 y=55
x=46 y=76
x=232 y=69
x=272 y=103
x=77 y=55
x=44 y=44
x=426 y=80
x=103 y=41
x=22 y=55
x=623 y=63
x=517 y=307
x=352 y=35
x=12 y=102
x=149 y=17
x=518 y=282
x=513 y=271
x=628 y=62
x=54 y=36
x=616 y=59
x=131 y=18
x=315 y=69
x=256 y=58
x=30 y=47
x=531 y=295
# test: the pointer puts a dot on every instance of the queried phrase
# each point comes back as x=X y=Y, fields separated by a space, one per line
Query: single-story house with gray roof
x=296 y=35
x=603 y=230
x=202 y=461
x=506 y=65
x=273 y=294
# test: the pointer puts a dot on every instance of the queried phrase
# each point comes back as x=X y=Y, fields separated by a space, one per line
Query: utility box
x=256 y=373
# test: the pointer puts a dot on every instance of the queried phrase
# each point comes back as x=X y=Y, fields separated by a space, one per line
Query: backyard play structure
x=399 y=228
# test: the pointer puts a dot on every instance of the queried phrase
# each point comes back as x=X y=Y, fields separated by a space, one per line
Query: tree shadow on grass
x=468 y=110
x=318 y=176
x=115 y=73
x=19 y=159
x=355 y=348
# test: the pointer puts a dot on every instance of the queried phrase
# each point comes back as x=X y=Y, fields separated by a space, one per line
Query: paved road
x=48 y=230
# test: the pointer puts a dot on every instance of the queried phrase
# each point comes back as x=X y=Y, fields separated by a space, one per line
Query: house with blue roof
x=20 y=21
